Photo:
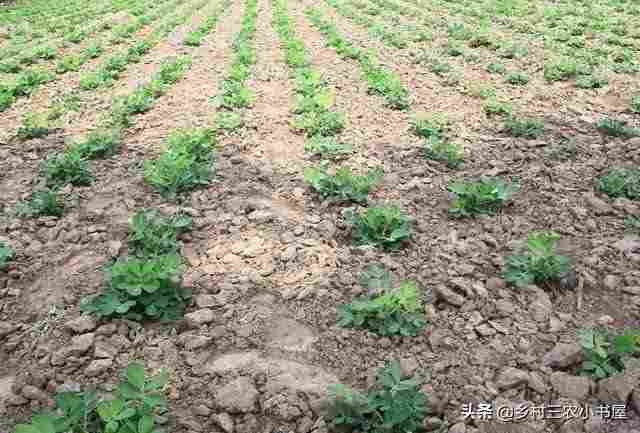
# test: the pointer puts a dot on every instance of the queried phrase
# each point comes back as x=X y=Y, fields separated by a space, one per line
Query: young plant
x=152 y=234
x=320 y=122
x=186 y=163
x=563 y=150
x=621 y=182
x=343 y=185
x=526 y=128
x=485 y=196
x=41 y=203
x=494 y=107
x=430 y=126
x=393 y=312
x=99 y=144
x=394 y=405
x=538 y=264
x=616 y=128
x=517 y=78
x=6 y=255
x=141 y=288
x=385 y=226
x=635 y=104
x=228 y=121
x=439 y=149
x=632 y=223
x=605 y=352
x=132 y=408
x=61 y=169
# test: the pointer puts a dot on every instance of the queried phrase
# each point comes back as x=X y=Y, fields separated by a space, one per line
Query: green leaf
x=145 y=425
x=135 y=375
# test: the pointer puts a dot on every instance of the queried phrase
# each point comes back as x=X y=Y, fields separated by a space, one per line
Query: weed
x=526 y=128
x=517 y=78
x=605 y=352
x=512 y=51
x=6 y=255
x=538 y=264
x=228 y=121
x=7 y=97
x=616 y=128
x=132 y=408
x=152 y=234
x=69 y=63
x=41 y=203
x=393 y=312
x=635 y=104
x=561 y=70
x=9 y=67
x=621 y=182
x=184 y=165
x=99 y=144
x=140 y=288
x=485 y=196
x=385 y=226
x=343 y=185
x=394 y=405
x=65 y=168
x=171 y=71
x=235 y=94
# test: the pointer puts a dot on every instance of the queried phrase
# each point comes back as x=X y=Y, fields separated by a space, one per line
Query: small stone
x=563 y=355
x=238 y=396
x=632 y=290
x=98 y=366
x=573 y=387
x=206 y=301
x=81 y=344
x=81 y=324
x=511 y=378
x=458 y=428
x=105 y=349
x=485 y=330
x=536 y=383
x=605 y=320
x=197 y=342
x=408 y=367
x=611 y=282
x=495 y=284
x=600 y=207
x=432 y=423
x=200 y=317
x=224 y=421
x=201 y=410
x=449 y=296
x=33 y=393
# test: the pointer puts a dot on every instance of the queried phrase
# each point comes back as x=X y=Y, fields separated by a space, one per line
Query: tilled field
x=149 y=150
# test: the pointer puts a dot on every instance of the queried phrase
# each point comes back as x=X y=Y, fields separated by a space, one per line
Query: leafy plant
x=140 y=288
x=632 y=224
x=605 y=352
x=527 y=128
x=152 y=234
x=517 y=78
x=343 y=185
x=616 y=128
x=621 y=182
x=393 y=312
x=485 y=196
x=492 y=107
x=440 y=149
x=137 y=401
x=40 y=203
x=635 y=104
x=394 y=405
x=68 y=167
x=591 y=82
x=496 y=68
x=185 y=164
x=375 y=278
x=538 y=264
x=430 y=126
x=563 y=150
x=381 y=225
x=99 y=144
x=320 y=122
x=6 y=254
x=228 y=121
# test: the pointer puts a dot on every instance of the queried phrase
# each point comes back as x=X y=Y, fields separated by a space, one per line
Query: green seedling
x=393 y=312
x=497 y=68
x=526 y=128
x=434 y=126
x=394 y=405
x=344 y=184
x=485 y=196
x=440 y=149
x=35 y=125
x=385 y=226
x=620 y=182
x=494 y=107
x=99 y=144
x=64 y=168
x=605 y=353
x=635 y=104
x=152 y=234
x=616 y=128
x=228 y=121
x=326 y=147
x=538 y=264
x=6 y=255
x=517 y=78
x=41 y=203
x=141 y=288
